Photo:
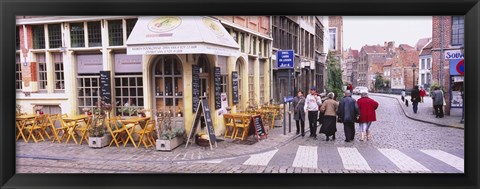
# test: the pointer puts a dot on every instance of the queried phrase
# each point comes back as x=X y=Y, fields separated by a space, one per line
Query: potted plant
x=98 y=137
x=38 y=109
x=87 y=111
x=141 y=112
x=168 y=138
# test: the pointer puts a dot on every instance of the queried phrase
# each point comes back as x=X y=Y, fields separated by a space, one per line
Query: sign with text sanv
x=285 y=59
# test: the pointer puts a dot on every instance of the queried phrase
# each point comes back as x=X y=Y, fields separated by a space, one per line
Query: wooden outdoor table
x=129 y=125
x=21 y=122
x=71 y=122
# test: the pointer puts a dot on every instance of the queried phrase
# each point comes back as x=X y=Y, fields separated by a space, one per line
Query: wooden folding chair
x=82 y=127
x=20 y=129
x=229 y=123
x=147 y=133
x=242 y=123
x=129 y=129
x=115 y=130
x=36 y=128
x=62 y=129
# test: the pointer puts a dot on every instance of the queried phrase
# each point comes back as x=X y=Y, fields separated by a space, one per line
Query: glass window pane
x=54 y=36
x=115 y=32
x=94 y=34
x=38 y=37
x=77 y=37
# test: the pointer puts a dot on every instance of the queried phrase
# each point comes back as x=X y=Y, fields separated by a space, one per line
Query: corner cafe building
x=150 y=59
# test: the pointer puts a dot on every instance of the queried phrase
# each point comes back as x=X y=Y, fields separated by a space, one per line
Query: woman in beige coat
x=329 y=108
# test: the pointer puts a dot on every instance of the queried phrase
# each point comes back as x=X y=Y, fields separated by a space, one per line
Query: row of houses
x=437 y=60
x=167 y=63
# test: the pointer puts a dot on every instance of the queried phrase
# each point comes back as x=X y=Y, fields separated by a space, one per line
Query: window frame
x=38 y=37
x=77 y=36
x=55 y=37
x=115 y=35
x=61 y=74
x=120 y=97
x=83 y=89
x=42 y=83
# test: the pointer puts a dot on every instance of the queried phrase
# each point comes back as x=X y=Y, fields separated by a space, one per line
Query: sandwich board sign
x=203 y=111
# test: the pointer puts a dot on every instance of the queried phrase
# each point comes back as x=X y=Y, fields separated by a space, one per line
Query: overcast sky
x=372 y=30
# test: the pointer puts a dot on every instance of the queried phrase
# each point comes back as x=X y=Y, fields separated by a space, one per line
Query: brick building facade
x=448 y=30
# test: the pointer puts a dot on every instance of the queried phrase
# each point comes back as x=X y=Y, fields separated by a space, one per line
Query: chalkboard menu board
x=105 y=87
x=257 y=124
x=235 y=87
x=218 y=88
x=208 y=120
x=203 y=111
x=195 y=86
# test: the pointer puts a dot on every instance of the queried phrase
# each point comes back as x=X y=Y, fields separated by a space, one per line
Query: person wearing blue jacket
x=348 y=113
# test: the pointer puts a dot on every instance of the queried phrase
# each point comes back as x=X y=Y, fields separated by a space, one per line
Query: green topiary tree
x=335 y=82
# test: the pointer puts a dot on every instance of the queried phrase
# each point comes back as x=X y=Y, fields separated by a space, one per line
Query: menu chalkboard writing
x=208 y=120
x=195 y=86
x=105 y=87
x=235 y=87
x=218 y=88
x=257 y=125
x=203 y=110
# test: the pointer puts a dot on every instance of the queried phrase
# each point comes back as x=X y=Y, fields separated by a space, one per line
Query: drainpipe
x=270 y=62
x=441 y=53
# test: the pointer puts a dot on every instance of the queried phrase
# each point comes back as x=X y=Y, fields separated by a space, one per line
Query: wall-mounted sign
x=285 y=59
x=454 y=54
x=235 y=87
x=105 y=87
x=218 y=88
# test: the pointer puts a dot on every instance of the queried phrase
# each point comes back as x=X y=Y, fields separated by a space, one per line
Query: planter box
x=99 y=142
x=169 y=145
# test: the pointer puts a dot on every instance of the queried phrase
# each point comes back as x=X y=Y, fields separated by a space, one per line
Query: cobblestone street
x=399 y=145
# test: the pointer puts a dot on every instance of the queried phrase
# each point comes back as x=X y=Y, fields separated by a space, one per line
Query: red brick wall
x=28 y=72
x=436 y=56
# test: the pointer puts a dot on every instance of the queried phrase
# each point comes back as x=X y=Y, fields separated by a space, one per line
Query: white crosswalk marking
x=402 y=161
x=449 y=159
x=352 y=159
x=260 y=159
x=306 y=156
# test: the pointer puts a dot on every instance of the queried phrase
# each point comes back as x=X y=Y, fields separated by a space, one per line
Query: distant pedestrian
x=311 y=106
x=350 y=88
x=423 y=93
x=348 y=113
x=415 y=95
x=437 y=98
x=299 y=114
x=367 y=108
x=403 y=95
x=329 y=109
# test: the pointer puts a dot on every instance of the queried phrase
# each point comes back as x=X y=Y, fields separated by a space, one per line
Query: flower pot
x=169 y=145
x=99 y=142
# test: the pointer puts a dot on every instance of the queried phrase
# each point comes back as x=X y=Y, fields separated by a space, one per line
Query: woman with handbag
x=299 y=114
x=329 y=109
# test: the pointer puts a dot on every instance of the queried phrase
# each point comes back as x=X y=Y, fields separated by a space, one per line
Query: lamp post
x=413 y=82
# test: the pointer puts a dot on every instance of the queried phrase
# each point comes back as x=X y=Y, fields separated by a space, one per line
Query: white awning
x=180 y=35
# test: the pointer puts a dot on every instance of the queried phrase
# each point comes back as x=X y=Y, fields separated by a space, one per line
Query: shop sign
x=203 y=112
x=195 y=86
x=285 y=59
x=235 y=87
x=257 y=124
x=218 y=88
x=457 y=67
x=105 y=87
x=454 y=54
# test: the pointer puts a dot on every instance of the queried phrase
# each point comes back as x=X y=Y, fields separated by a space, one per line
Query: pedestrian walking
x=437 y=98
x=415 y=96
x=423 y=93
x=298 y=113
x=350 y=88
x=348 y=113
x=367 y=108
x=311 y=106
x=329 y=109
x=403 y=96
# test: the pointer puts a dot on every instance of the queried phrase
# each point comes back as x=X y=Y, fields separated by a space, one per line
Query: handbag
x=296 y=107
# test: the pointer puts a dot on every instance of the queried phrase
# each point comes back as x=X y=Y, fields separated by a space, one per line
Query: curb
x=412 y=118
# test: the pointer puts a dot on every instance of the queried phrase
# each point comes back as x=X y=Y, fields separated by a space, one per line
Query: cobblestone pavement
x=425 y=112
x=398 y=145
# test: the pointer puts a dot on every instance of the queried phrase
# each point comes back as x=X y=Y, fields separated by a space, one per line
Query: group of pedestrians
x=348 y=111
x=418 y=94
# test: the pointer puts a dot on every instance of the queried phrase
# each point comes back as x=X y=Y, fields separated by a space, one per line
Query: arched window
x=168 y=85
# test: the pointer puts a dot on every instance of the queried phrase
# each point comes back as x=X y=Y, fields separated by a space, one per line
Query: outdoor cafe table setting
x=130 y=126
x=72 y=122
x=21 y=122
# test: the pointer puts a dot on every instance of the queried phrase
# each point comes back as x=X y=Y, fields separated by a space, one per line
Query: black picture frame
x=10 y=8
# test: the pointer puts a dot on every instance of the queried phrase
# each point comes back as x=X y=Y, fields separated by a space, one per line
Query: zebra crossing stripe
x=261 y=159
x=352 y=159
x=402 y=161
x=448 y=158
x=306 y=156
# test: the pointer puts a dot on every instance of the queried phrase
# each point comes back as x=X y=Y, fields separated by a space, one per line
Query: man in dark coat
x=298 y=113
x=437 y=98
x=415 y=98
x=348 y=113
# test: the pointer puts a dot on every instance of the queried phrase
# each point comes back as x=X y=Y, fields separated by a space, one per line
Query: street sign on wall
x=285 y=59
x=457 y=67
